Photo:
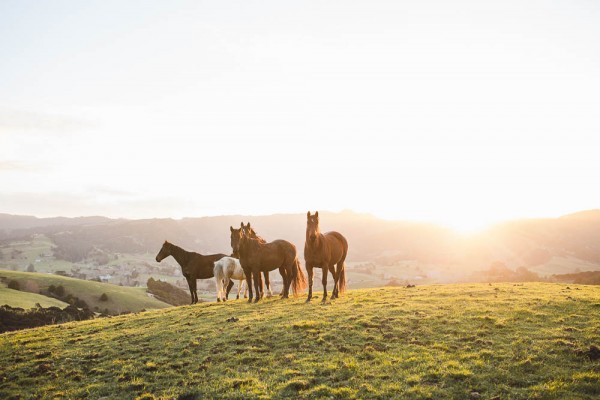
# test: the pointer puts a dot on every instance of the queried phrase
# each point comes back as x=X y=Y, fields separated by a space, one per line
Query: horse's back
x=229 y=267
x=271 y=255
x=204 y=265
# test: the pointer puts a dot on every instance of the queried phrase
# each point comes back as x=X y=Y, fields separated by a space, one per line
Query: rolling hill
x=543 y=246
x=25 y=300
x=120 y=299
x=466 y=341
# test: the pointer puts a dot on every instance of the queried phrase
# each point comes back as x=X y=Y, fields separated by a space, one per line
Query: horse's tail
x=342 y=262
x=298 y=278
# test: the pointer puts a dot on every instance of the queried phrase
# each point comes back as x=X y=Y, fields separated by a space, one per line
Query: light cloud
x=20 y=120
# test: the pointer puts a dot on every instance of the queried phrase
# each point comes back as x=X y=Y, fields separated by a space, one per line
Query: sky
x=463 y=113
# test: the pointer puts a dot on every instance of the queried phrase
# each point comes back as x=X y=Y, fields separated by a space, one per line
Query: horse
x=248 y=230
x=257 y=257
x=327 y=251
x=193 y=265
x=226 y=269
x=251 y=233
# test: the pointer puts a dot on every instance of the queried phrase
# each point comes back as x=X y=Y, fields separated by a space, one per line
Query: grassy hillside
x=15 y=298
x=444 y=341
x=120 y=298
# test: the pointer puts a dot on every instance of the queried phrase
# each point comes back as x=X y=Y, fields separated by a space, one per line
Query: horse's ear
x=231 y=228
x=166 y=242
x=248 y=226
x=308 y=214
x=242 y=224
x=317 y=214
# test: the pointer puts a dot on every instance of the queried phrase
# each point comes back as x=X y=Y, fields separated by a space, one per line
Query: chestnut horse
x=252 y=234
x=257 y=257
x=326 y=251
x=193 y=265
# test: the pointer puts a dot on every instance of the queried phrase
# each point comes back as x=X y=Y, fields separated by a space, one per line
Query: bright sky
x=457 y=112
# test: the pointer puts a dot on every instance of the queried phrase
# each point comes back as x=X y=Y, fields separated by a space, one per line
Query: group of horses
x=252 y=257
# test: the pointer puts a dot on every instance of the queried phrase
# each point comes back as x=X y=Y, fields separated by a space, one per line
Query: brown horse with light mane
x=193 y=265
x=257 y=257
x=327 y=251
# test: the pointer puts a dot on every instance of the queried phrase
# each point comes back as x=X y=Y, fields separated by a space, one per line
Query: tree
x=14 y=285
x=59 y=291
x=30 y=268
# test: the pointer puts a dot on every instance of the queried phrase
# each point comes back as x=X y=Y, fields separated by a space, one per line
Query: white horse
x=228 y=268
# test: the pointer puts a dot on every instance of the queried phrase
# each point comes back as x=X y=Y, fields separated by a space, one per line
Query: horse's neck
x=318 y=243
x=180 y=255
x=248 y=245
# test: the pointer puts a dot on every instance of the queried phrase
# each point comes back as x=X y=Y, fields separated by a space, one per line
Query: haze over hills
x=545 y=246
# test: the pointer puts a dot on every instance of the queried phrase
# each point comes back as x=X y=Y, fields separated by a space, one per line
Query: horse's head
x=249 y=231
x=165 y=251
x=236 y=238
x=312 y=227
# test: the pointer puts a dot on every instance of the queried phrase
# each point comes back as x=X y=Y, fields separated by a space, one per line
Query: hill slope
x=15 y=298
x=120 y=299
x=545 y=246
x=446 y=341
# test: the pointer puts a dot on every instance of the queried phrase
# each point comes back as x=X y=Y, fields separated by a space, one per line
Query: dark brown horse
x=256 y=257
x=327 y=251
x=193 y=265
x=252 y=234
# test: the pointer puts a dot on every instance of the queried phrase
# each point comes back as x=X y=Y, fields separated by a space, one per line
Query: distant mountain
x=11 y=223
x=546 y=246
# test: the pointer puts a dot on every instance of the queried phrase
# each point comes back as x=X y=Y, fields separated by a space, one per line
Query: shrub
x=59 y=291
x=14 y=285
x=103 y=297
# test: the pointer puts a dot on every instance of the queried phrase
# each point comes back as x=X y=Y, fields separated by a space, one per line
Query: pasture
x=16 y=298
x=441 y=341
x=120 y=298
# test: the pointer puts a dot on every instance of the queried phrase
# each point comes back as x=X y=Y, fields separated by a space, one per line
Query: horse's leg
x=195 y=293
x=310 y=273
x=225 y=284
x=324 y=281
x=268 y=283
x=289 y=276
x=284 y=276
x=249 y=284
x=239 y=289
x=229 y=283
x=334 y=292
x=218 y=285
x=189 y=281
x=257 y=284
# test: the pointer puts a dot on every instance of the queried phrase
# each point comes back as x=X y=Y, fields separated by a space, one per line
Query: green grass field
x=120 y=298
x=444 y=341
x=15 y=298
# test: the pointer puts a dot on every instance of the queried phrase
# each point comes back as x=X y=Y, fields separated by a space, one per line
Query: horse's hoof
x=307 y=301
x=249 y=300
x=237 y=298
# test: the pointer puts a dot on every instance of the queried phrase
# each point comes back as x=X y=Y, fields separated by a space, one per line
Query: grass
x=15 y=298
x=120 y=298
x=442 y=341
